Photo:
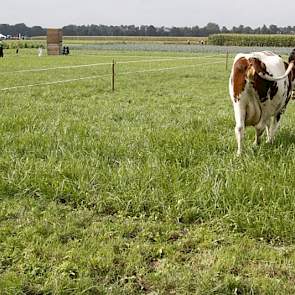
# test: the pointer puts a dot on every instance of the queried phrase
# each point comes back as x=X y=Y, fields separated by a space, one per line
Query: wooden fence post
x=113 y=76
x=226 y=61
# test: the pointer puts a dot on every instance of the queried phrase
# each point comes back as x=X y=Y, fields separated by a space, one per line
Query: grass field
x=138 y=191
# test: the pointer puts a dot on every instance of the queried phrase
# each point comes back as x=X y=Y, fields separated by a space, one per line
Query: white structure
x=40 y=51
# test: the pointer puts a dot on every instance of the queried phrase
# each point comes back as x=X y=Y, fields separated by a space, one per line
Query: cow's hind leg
x=259 y=131
x=239 y=130
x=240 y=113
x=268 y=130
x=275 y=123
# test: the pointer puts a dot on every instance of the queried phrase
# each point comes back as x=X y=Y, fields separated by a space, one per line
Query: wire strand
x=106 y=75
x=104 y=64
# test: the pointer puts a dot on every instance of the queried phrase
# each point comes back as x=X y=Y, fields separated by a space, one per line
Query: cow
x=260 y=87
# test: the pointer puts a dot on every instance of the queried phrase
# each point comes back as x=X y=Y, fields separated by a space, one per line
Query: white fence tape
x=170 y=68
x=107 y=63
x=56 y=68
x=54 y=82
x=106 y=75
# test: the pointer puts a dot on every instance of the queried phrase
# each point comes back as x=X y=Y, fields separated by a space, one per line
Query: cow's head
x=292 y=56
x=292 y=76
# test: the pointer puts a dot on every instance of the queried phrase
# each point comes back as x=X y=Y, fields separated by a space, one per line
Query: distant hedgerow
x=252 y=40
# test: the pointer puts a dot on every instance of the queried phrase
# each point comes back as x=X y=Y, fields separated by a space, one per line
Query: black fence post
x=113 y=76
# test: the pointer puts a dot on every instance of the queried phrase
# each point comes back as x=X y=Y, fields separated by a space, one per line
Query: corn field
x=252 y=40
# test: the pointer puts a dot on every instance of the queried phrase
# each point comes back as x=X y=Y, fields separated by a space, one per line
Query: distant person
x=65 y=50
x=40 y=51
x=1 y=51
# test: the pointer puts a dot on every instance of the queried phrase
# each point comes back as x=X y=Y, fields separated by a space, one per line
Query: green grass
x=139 y=191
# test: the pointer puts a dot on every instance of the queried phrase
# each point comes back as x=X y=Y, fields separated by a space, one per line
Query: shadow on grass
x=285 y=138
x=283 y=144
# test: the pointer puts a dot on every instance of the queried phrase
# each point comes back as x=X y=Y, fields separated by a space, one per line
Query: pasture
x=138 y=191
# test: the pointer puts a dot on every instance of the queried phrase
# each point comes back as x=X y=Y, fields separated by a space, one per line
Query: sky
x=168 y=13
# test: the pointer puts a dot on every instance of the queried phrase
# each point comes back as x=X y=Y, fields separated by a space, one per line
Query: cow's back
x=245 y=80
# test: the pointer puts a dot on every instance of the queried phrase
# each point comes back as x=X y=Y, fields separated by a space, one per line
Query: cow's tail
x=270 y=78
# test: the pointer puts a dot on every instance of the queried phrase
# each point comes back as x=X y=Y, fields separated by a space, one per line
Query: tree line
x=143 y=30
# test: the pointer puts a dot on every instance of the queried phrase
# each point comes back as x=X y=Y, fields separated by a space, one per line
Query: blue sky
x=56 y=13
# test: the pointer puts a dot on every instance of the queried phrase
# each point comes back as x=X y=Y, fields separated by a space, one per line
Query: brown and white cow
x=260 y=86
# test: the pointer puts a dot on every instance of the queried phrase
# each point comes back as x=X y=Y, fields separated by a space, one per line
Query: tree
x=37 y=31
x=143 y=30
x=151 y=31
x=176 y=32
x=273 y=29
x=70 y=30
x=212 y=28
x=264 y=30
x=224 y=30
x=248 y=30
x=195 y=31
